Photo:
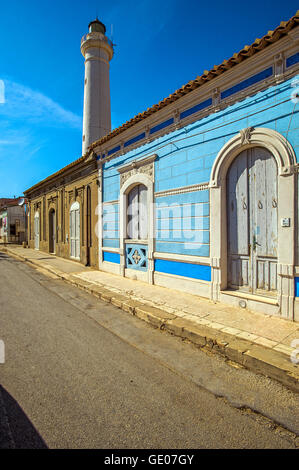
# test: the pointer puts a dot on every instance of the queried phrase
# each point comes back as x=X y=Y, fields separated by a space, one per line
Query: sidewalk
x=258 y=342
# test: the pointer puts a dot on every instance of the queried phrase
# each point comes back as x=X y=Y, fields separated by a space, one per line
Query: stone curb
x=252 y=356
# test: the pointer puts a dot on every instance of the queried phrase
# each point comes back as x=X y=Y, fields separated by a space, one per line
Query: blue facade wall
x=183 y=223
x=189 y=161
x=111 y=257
x=185 y=157
x=111 y=225
x=194 y=271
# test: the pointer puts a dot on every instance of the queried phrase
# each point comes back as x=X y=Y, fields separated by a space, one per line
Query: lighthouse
x=97 y=50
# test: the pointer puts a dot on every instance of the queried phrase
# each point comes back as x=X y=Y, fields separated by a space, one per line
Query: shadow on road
x=16 y=429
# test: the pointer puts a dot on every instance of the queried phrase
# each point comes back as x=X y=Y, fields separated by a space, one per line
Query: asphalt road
x=80 y=373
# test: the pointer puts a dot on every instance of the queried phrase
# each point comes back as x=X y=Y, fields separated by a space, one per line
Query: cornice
x=98 y=40
x=252 y=66
x=137 y=164
x=244 y=55
x=116 y=201
x=185 y=189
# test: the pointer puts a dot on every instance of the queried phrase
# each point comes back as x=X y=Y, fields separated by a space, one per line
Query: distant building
x=12 y=221
x=199 y=192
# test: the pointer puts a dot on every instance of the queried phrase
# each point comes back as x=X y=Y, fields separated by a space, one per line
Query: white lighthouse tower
x=97 y=50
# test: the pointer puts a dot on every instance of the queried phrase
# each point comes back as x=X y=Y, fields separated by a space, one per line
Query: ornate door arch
x=138 y=254
x=285 y=159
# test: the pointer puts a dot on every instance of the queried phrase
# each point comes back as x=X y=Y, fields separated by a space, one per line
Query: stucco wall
x=61 y=200
x=189 y=161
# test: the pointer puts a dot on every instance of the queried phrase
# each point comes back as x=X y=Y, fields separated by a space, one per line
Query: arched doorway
x=268 y=273
x=75 y=230
x=252 y=201
x=136 y=210
x=36 y=230
x=52 y=231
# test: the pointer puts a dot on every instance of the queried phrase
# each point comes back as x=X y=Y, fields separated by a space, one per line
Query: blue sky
x=160 y=45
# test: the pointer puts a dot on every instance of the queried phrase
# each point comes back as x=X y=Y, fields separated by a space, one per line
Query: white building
x=12 y=221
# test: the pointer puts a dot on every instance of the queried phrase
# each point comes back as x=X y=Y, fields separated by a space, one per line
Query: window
x=137 y=228
x=88 y=217
x=75 y=230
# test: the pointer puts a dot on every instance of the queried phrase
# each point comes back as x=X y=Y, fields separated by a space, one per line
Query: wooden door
x=75 y=230
x=252 y=222
x=52 y=231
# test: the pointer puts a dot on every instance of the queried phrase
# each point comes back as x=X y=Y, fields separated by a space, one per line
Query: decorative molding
x=279 y=63
x=176 y=118
x=110 y=249
x=284 y=156
x=71 y=195
x=294 y=35
x=246 y=135
x=79 y=192
x=37 y=206
x=91 y=157
x=287 y=270
x=98 y=40
x=216 y=98
x=147 y=133
x=144 y=166
x=186 y=189
x=182 y=258
x=107 y=203
x=51 y=199
x=215 y=263
x=212 y=93
x=273 y=141
x=140 y=172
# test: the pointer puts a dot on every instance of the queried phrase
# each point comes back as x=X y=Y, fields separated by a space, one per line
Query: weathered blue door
x=252 y=222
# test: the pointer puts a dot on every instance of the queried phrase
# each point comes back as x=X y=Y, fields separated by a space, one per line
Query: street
x=80 y=373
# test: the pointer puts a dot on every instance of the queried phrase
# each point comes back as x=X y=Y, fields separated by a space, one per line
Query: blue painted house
x=214 y=169
x=200 y=192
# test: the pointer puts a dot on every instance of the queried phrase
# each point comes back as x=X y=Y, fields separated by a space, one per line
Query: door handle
x=255 y=243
